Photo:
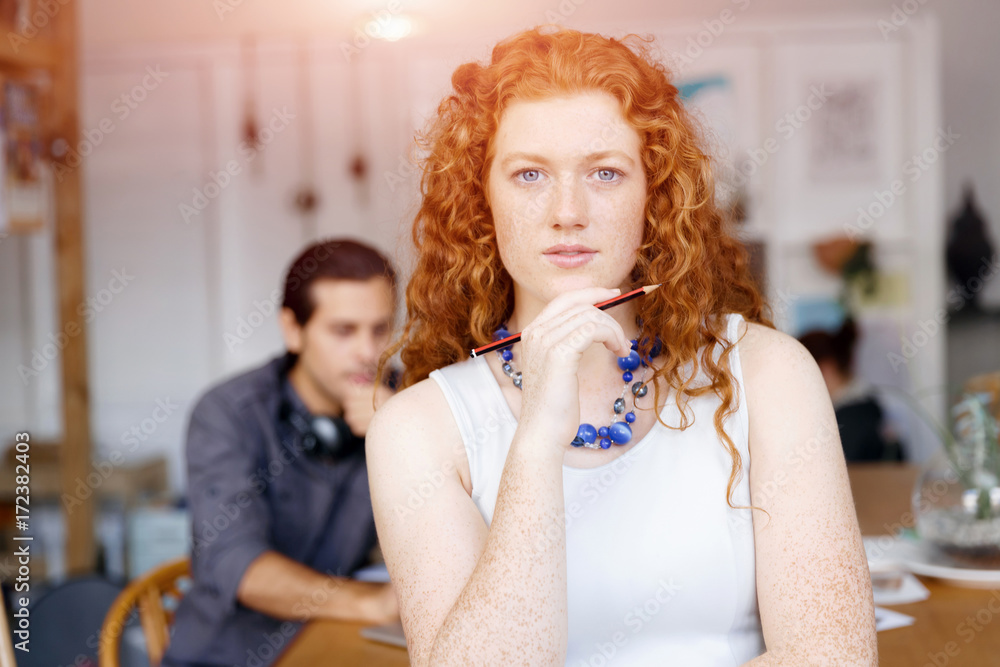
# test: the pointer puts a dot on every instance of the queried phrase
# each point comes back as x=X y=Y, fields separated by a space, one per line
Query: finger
x=584 y=317
x=578 y=332
x=546 y=322
x=541 y=327
x=586 y=296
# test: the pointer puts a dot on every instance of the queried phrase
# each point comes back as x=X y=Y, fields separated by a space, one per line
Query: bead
x=629 y=363
x=620 y=433
x=635 y=343
x=587 y=435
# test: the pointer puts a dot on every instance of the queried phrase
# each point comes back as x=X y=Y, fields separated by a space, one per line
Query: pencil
x=603 y=305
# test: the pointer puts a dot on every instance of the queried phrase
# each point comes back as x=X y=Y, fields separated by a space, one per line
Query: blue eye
x=607 y=174
x=530 y=175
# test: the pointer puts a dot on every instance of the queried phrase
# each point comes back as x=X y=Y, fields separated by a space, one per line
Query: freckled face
x=567 y=189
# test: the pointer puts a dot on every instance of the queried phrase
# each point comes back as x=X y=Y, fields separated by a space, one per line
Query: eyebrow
x=352 y=324
x=532 y=157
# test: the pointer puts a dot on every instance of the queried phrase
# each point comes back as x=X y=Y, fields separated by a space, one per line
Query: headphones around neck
x=322 y=437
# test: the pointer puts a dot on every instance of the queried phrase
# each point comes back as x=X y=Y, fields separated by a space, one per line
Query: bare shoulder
x=783 y=384
x=763 y=347
x=415 y=430
x=777 y=364
x=419 y=405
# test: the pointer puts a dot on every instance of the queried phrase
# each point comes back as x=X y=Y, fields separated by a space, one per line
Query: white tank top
x=660 y=569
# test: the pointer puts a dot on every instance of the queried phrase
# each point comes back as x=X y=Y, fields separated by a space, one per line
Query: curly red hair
x=460 y=292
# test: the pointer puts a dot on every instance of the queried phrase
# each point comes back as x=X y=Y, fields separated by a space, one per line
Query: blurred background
x=165 y=161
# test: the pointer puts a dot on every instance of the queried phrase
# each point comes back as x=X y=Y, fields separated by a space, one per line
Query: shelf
x=38 y=52
x=124 y=482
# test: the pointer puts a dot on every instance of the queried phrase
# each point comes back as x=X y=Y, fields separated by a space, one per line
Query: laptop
x=391 y=633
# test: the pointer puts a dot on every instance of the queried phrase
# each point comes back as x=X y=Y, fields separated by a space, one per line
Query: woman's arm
x=471 y=595
x=468 y=594
x=813 y=583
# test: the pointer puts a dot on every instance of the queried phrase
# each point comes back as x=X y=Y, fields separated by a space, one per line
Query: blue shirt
x=251 y=488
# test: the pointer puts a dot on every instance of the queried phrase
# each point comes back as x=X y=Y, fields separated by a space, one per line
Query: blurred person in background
x=864 y=432
x=277 y=478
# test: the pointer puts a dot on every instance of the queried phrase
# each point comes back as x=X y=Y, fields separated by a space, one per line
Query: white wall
x=163 y=336
x=970 y=51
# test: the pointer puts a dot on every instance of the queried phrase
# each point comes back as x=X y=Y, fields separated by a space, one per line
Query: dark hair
x=336 y=259
x=839 y=346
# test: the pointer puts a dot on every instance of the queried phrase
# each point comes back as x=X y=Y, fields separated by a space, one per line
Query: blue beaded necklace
x=617 y=432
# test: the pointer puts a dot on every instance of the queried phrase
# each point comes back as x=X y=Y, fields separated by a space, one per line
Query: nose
x=570 y=205
x=367 y=348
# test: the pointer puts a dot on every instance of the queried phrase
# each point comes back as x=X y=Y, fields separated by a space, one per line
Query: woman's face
x=567 y=188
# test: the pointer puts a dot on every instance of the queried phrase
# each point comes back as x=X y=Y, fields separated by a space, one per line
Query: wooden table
x=336 y=643
x=941 y=636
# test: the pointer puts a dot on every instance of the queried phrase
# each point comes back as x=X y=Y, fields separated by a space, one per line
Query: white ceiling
x=120 y=22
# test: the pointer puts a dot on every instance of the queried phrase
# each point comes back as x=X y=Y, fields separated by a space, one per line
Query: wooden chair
x=145 y=594
x=6 y=645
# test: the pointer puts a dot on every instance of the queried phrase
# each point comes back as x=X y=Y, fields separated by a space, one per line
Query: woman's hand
x=551 y=348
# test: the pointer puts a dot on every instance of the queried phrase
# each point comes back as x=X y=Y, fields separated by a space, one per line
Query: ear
x=290 y=331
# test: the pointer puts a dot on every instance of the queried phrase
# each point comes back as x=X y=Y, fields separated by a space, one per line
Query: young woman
x=516 y=529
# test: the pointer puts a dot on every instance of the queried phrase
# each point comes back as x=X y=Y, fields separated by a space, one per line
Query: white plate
x=921 y=558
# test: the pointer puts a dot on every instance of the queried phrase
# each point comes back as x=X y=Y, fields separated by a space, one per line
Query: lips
x=562 y=249
x=569 y=256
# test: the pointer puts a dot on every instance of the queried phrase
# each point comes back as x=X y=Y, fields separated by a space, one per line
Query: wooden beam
x=20 y=52
x=76 y=445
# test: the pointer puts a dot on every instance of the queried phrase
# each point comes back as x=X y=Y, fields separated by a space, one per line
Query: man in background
x=277 y=482
x=865 y=434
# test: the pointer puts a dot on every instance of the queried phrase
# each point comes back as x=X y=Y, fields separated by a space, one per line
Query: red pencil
x=603 y=305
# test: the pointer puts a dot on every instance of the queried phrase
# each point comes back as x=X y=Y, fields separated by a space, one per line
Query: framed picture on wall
x=839 y=163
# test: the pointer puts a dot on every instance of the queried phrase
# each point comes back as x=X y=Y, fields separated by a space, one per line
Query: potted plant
x=956 y=500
